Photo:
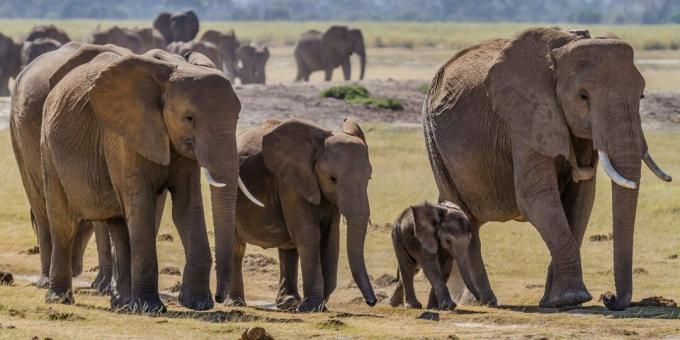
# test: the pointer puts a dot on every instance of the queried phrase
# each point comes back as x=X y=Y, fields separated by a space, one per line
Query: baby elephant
x=431 y=236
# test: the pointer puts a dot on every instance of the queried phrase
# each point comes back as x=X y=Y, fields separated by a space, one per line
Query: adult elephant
x=253 y=59
x=307 y=177
x=120 y=36
x=130 y=146
x=33 y=49
x=47 y=31
x=206 y=48
x=316 y=51
x=178 y=26
x=151 y=38
x=10 y=62
x=514 y=129
x=227 y=44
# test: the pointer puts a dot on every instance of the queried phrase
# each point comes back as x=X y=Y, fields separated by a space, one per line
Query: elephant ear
x=522 y=90
x=127 y=98
x=193 y=24
x=289 y=152
x=425 y=219
x=84 y=54
x=351 y=127
x=337 y=38
x=162 y=24
x=246 y=53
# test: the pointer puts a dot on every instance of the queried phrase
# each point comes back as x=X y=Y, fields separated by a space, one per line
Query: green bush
x=382 y=103
x=357 y=94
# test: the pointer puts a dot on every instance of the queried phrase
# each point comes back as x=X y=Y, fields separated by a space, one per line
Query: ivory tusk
x=651 y=164
x=211 y=180
x=246 y=192
x=613 y=174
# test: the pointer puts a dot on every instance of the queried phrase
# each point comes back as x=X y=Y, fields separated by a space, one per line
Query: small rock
x=162 y=321
x=6 y=278
x=256 y=333
x=534 y=285
x=30 y=251
x=169 y=270
x=673 y=257
x=385 y=280
x=165 y=238
x=93 y=269
x=640 y=271
x=430 y=316
x=11 y=327
x=601 y=237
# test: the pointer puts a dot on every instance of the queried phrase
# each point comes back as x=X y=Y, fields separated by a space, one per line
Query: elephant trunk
x=357 y=221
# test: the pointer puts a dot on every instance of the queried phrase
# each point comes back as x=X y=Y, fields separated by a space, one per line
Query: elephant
x=33 y=49
x=307 y=177
x=48 y=31
x=431 y=236
x=514 y=129
x=110 y=146
x=253 y=60
x=326 y=51
x=227 y=44
x=179 y=26
x=120 y=36
x=203 y=47
x=10 y=62
x=151 y=38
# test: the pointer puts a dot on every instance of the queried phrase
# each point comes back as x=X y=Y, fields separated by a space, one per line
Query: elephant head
x=33 y=49
x=344 y=41
x=550 y=87
x=206 y=48
x=253 y=60
x=227 y=44
x=47 y=31
x=162 y=24
x=333 y=166
x=115 y=35
x=151 y=38
x=10 y=62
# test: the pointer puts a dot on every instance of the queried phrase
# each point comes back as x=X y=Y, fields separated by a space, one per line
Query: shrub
x=654 y=44
x=346 y=92
x=382 y=103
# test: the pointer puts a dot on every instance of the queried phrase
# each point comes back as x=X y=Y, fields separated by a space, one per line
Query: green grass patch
x=358 y=95
x=423 y=88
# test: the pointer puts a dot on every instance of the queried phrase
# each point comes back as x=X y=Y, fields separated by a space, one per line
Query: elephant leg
x=121 y=276
x=397 y=298
x=42 y=225
x=102 y=283
x=288 y=297
x=83 y=235
x=407 y=270
x=302 y=71
x=160 y=208
x=539 y=201
x=328 y=74
x=430 y=265
x=347 y=69
x=187 y=213
x=236 y=296
x=330 y=254
x=445 y=264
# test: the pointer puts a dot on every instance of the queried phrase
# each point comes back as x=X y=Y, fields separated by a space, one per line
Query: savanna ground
x=514 y=253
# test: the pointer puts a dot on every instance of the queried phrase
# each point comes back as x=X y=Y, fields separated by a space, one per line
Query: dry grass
x=515 y=255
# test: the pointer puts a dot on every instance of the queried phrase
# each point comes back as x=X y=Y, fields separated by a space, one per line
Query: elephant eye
x=189 y=118
x=584 y=96
x=334 y=180
x=642 y=96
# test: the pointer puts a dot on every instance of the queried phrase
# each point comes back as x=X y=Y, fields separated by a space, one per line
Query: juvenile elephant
x=178 y=26
x=514 y=129
x=431 y=236
x=202 y=47
x=317 y=51
x=151 y=38
x=10 y=62
x=307 y=177
x=253 y=60
x=227 y=45
x=120 y=36
x=117 y=132
x=47 y=31
x=33 y=49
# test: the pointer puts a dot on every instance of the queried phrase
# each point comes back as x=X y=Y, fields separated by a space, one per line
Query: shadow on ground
x=629 y=313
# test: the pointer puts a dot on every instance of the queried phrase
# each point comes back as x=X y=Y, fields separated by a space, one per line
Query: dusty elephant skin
x=307 y=177
x=431 y=237
x=326 y=51
x=514 y=130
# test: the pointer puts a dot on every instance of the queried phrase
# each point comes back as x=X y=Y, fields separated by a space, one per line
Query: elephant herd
x=514 y=129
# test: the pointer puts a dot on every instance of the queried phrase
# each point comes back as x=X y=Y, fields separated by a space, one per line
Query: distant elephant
x=47 y=31
x=117 y=131
x=33 y=49
x=203 y=47
x=253 y=59
x=307 y=177
x=431 y=237
x=227 y=44
x=316 y=51
x=10 y=62
x=514 y=129
x=120 y=36
x=178 y=26
x=151 y=38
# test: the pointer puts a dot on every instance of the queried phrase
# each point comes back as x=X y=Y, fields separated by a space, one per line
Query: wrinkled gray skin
x=227 y=44
x=317 y=51
x=33 y=49
x=178 y=26
x=431 y=237
x=10 y=62
x=307 y=177
x=47 y=31
x=120 y=36
x=512 y=128
x=202 y=47
x=253 y=59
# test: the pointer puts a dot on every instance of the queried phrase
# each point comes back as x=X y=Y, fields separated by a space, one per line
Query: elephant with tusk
x=514 y=129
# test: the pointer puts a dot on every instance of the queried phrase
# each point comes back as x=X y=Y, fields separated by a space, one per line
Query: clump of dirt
x=166 y=238
x=333 y=324
x=673 y=257
x=93 y=269
x=534 y=285
x=16 y=313
x=640 y=271
x=54 y=315
x=256 y=333
x=6 y=278
x=258 y=262
x=385 y=280
x=654 y=301
x=30 y=251
x=175 y=288
x=430 y=316
x=170 y=270
x=601 y=237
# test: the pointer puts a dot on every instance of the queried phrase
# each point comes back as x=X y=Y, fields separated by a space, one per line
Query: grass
x=515 y=255
x=358 y=94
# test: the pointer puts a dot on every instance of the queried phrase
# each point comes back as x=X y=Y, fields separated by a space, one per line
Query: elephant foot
x=312 y=305
x=196 y=299
x=236 y=301
x=148 y=304
x=102 y=283
x=43 y=282
x=58 y=296
x=447 y=305
x=613 y=303
x=396 y=301
x=565 y=291
x=222 y=292
x=413 y=305
x=288 y=302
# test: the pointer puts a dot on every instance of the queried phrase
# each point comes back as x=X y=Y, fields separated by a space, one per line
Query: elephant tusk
x=211 y=180
x=651 y=164
x=613 y=174
x=246 y=192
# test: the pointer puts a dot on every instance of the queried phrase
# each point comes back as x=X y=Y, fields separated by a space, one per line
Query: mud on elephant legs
x=288 y=298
